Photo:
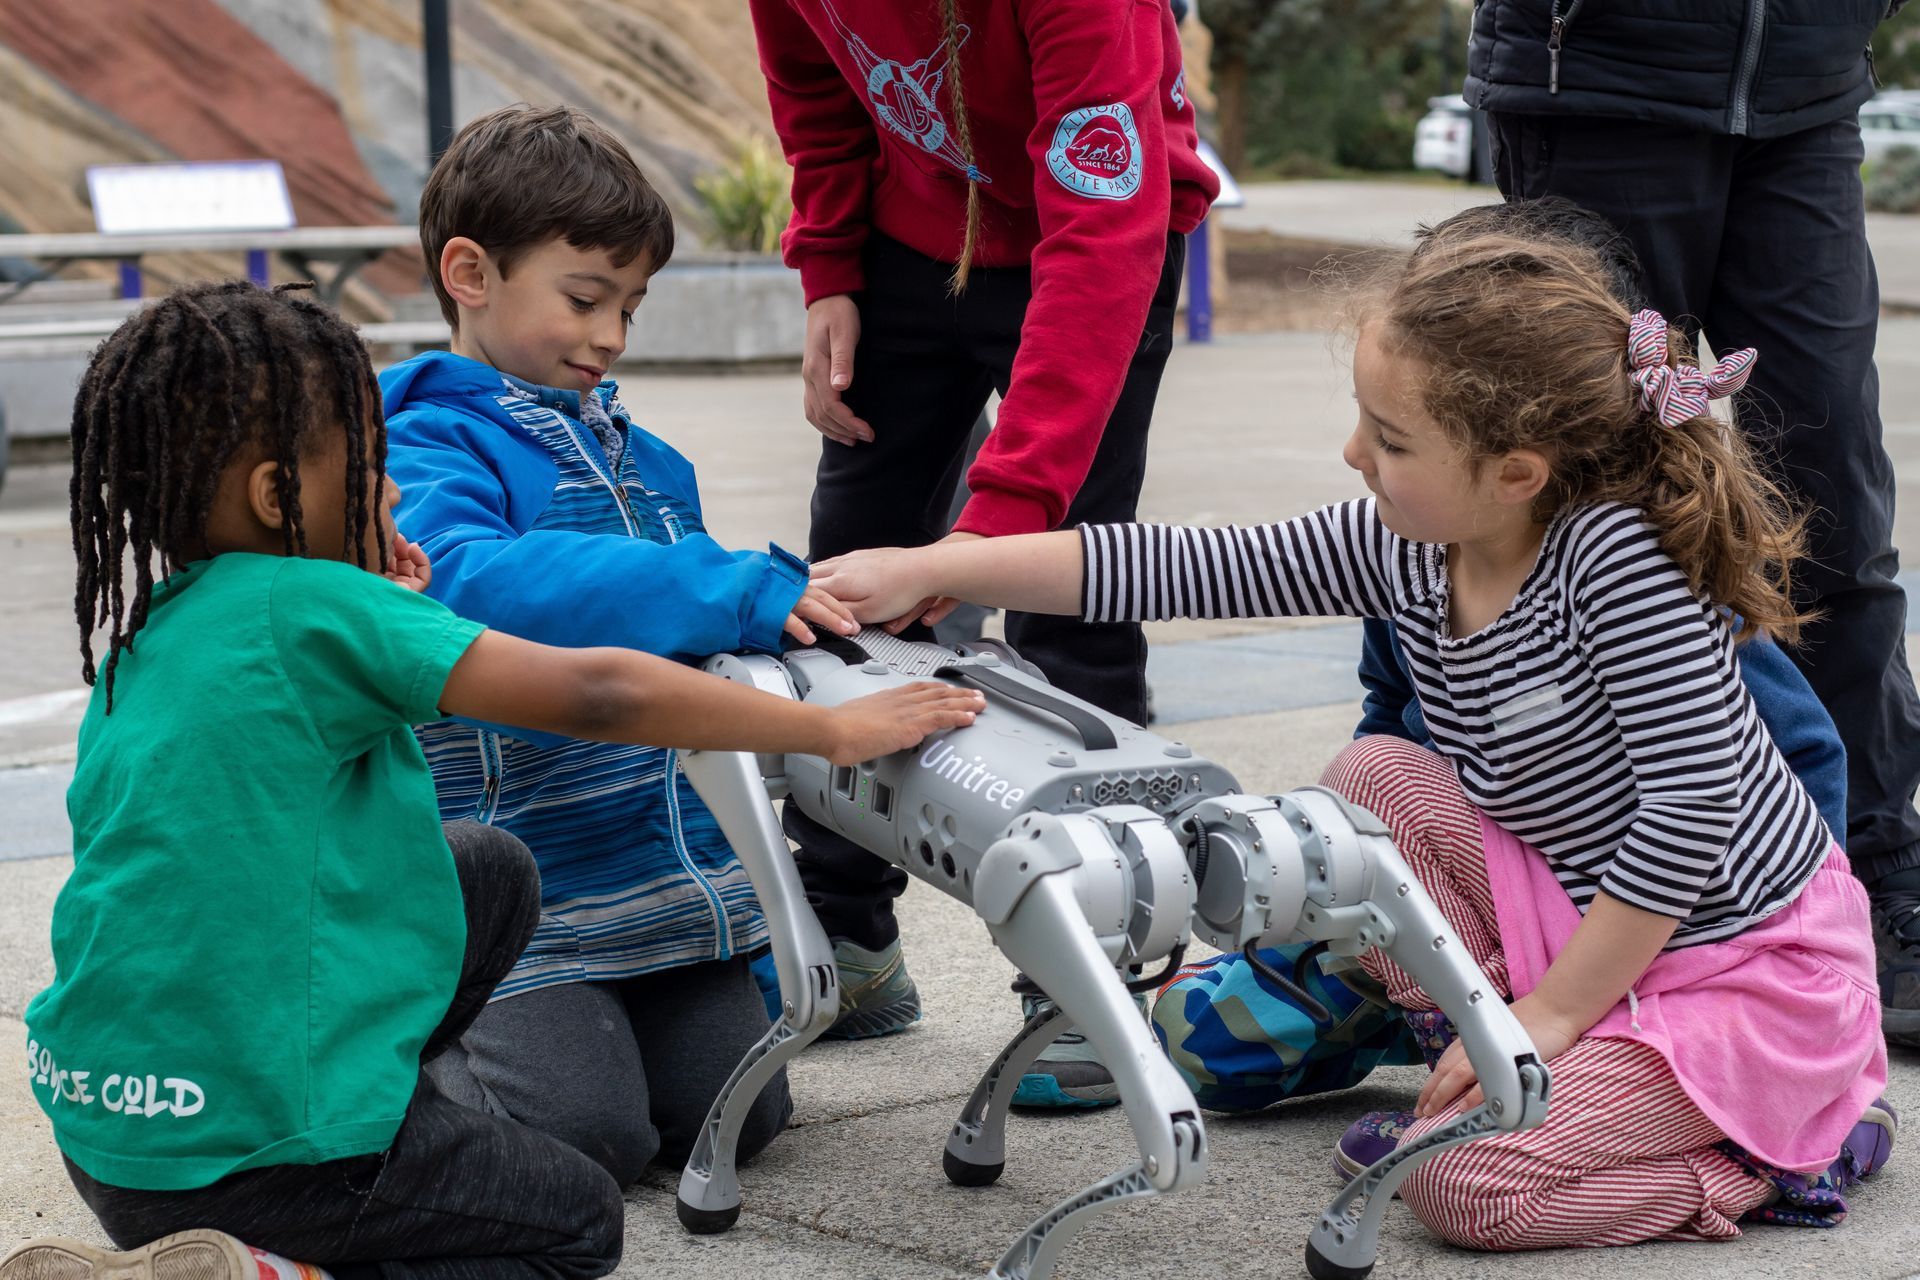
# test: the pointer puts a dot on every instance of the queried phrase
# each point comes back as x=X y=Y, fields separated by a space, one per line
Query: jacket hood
x=435 y=375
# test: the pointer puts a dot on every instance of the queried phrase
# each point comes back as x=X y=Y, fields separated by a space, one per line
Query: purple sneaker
x=1867 y=1147
x=1819 y=1199
x=1367 y=1140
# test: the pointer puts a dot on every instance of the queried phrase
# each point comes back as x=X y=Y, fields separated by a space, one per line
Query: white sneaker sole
x=199 y=1254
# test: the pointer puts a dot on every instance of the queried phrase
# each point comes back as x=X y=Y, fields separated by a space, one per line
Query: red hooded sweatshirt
x=1083 y=140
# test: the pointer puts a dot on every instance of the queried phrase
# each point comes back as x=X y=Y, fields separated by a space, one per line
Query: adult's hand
x=833 y=330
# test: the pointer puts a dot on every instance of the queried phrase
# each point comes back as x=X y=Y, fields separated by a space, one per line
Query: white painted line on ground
x=42 y=706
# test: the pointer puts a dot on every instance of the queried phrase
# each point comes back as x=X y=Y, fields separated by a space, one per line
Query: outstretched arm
x=1337 y=561
x=618 y=695
x=1033 y=573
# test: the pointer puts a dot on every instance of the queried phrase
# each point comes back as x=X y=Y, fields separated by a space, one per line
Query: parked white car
x=1451 y=138
x=1890 y=120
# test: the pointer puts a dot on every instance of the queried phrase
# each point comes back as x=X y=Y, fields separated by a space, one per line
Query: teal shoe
x=1068 y=1073
x=877 y=995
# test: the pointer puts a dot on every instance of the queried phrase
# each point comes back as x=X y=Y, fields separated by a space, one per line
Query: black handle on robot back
x=1095 y=734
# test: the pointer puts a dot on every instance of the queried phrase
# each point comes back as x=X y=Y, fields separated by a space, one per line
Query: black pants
x=460 y=1195
x=922 y=373
x=1762 y=243
x=624 y=1071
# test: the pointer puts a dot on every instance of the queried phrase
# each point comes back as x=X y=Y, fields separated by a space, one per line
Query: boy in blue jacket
x=548 y=514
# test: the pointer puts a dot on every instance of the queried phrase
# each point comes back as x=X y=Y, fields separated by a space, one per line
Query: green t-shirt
x=263 y=923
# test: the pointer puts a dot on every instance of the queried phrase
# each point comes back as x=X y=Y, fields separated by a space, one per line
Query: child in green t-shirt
x=267 y=930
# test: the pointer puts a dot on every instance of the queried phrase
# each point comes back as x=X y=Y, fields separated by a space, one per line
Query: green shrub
x=1893 y=184
x=749 y=200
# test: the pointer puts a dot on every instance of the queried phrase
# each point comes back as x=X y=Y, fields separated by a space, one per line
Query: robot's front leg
x=1363 y=894
x=1026 y=892
x=732 y=787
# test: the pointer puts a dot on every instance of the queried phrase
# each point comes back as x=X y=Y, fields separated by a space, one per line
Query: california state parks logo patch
x=1096 y=152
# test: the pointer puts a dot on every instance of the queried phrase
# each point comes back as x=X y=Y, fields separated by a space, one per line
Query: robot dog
x=1091 y=848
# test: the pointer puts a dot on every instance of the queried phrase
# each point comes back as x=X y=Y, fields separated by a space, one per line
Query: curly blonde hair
x=1524 y=346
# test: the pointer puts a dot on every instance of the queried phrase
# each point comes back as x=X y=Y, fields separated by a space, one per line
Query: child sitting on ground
x=1242 y=1042
x=550 y=514
x=1558 y=531
x=266 y=932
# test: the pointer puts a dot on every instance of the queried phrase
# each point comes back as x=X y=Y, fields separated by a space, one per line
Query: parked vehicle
x=1452 y=138
x=1890 y=120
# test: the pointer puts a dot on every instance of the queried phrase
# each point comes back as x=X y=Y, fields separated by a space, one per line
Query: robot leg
x=731 y=784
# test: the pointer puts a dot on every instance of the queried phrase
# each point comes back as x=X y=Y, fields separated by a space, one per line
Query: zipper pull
x=1555 y=38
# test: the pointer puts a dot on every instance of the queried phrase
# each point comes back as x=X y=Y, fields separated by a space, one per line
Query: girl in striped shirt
x=1563 y=537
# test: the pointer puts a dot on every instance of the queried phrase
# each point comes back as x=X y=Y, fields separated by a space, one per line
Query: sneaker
x=1068 y=1073
x=1896 y=937
x=1820 y=1199
x=1369 y=1139
x=877 y=995
x=199 y=1254
x=1867 y=1148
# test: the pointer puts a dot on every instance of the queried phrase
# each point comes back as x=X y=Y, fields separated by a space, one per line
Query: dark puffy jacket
x=1761 y=68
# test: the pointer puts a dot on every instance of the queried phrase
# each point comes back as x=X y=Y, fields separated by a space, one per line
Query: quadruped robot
x=1092 y=848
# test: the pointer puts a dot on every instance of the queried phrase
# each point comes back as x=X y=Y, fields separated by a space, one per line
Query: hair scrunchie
x=1674 y=394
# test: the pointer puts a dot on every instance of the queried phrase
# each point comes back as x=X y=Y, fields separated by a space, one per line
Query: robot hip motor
x=1091 y=848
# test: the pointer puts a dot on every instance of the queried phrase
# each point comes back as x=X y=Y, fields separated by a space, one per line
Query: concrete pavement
x=1249 y=429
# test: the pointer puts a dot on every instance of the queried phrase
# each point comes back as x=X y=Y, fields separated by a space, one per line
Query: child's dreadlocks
x=164 y=405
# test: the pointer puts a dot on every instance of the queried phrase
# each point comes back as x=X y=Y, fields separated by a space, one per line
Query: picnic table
x=351 y=248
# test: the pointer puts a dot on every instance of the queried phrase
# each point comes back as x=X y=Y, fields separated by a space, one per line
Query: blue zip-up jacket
x=535 y=529
x=1800 y=726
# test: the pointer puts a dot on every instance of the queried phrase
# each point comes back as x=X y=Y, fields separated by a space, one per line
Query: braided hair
x=952 y=39
x=165 y=404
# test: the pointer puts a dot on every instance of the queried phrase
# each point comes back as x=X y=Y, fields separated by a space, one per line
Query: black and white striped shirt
x=1601 y=718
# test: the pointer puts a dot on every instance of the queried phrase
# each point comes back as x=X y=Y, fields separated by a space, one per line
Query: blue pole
x=257 y=267
x=130 y=278
x=1199 y=286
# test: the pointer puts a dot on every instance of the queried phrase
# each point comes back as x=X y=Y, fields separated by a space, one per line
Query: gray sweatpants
x=623 y=1071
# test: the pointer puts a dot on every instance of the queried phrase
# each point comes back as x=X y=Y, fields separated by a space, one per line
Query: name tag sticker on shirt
x=1096 y=152
x=1524 y=708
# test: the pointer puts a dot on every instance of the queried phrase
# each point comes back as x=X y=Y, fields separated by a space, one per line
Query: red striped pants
x=1624 y=1155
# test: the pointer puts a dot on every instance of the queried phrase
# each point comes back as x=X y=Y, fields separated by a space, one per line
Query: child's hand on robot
x=817 y=606
x=882 y=723
x=881 y=585
x=1552 y=1033
x=887 y=585
x=407 y=564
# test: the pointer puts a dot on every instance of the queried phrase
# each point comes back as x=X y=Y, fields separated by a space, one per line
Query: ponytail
x=1721 y=517
x=963 y=134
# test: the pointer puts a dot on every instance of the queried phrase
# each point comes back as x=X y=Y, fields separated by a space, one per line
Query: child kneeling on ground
x=1559 y=531
x=266 y=932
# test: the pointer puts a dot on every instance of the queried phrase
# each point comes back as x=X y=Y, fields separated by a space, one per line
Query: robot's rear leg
x=977 y=1149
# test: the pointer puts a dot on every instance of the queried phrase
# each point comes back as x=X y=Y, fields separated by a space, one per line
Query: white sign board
x=1230 y=197
x=237 y=195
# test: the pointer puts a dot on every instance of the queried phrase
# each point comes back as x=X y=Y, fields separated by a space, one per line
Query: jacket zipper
x=617 y=492
x=1749 y=63
x=723 y=927
x=1556 y=37
x=491 y=768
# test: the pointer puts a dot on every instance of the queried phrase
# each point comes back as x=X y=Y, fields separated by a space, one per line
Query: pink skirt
x=1774 y=1033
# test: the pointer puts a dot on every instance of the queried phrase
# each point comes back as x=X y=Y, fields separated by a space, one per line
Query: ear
x=464 y=271
x=263 y=494
x=1519 y=476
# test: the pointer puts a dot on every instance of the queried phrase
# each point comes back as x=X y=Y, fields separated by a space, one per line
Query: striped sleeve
x=1340 y=560
x=1651 y=644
